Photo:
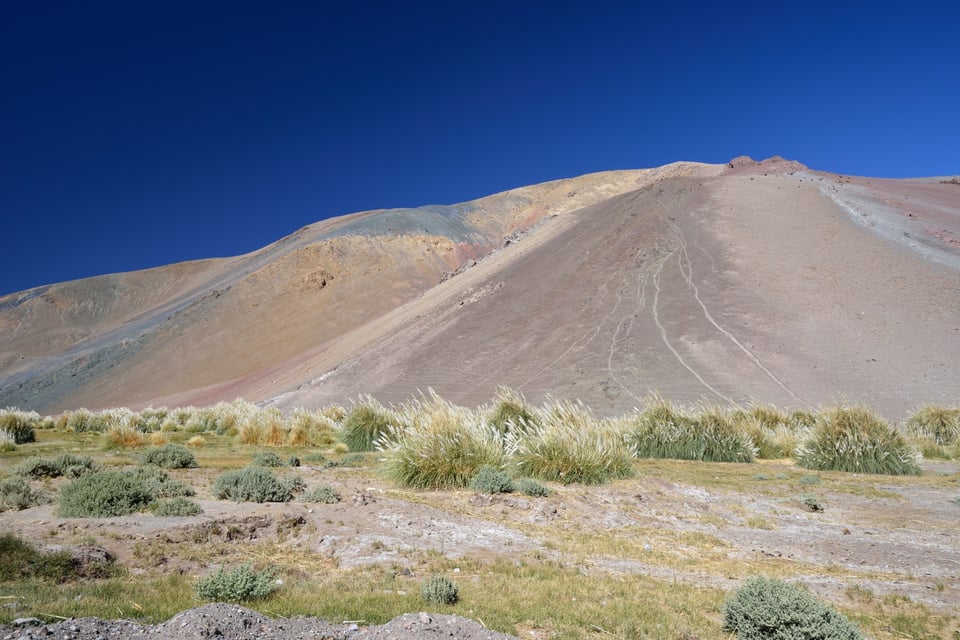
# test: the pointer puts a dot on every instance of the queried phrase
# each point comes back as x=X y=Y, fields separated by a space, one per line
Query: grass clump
x=16 y=494
x=491 y=480
x=324 y=494
x=66 y=464
x=19 y=560
x=940 y=424
x=439 y=446
x=256 y=484
x=439 y=590
x=242 y=584
x=855 y=439
x=765 y=608
x=664 y=431
x=19 y=424
x=170 y=456
x=532 y=488
x=569 y=445
x=365 y=424
x=775 y=435
x=511 y=413
x=179 y=506
x=103 y=494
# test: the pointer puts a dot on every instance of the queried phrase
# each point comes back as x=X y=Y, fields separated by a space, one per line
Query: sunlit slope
x=194 y=332
x=753 y=285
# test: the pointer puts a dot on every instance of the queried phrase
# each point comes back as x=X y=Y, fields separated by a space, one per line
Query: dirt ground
x=698 y=523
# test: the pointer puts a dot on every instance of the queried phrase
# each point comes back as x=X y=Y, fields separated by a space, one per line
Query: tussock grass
x=19 y=425
x=664 y=431
x=569 y=444
x=855 y=439
x=367 y=421
x=774 y=434
x=936 y=430
x=437 y=445
x=511 y=412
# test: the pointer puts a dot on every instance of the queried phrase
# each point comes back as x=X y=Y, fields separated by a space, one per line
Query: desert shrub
x=811 y=502
x=158 y=482
x=19 y=424
x=510 y=411
x=569 y=445
x=939 y=424
x=365 y=423
x=266 y=459
x=65 y=464
x=855 y=439
x=20 y=560
x=532 y=488
x=239 y=585
x=17 y=494
x=292 y=461
x=765 y=608
x=170 y=456
x=662 y=431
x=321 y=493
x=491 y=480
x=103 y=494
x=439 y=590
x=439 y=445
x=179 y=506
x=255 y=484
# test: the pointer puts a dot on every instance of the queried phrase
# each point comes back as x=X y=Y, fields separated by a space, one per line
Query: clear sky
x=137 y=134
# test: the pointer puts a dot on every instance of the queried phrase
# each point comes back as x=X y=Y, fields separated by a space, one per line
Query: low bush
x=662 y=431
x=19 y=424
x=17 y=494
x=569 y=445
x=939 y=424
x=65 y=464
x=239 y=585
x=158 y=483
x=321 y=493
x=266 y=459
x=855 y=439
x=365 y=424
x=439 y=446
x=765 y=608
x=491 y=480
x=103 y=494
x=178 y=506
x=170 y=456
x=532 y=488
x=256 y=484
x=439 y=590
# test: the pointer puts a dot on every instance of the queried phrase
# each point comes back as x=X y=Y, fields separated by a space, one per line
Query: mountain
x=751 y=281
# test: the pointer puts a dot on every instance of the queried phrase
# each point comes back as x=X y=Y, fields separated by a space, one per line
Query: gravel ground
x=233 y=622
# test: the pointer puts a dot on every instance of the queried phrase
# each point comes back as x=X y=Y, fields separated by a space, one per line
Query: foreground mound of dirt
x=233 y=622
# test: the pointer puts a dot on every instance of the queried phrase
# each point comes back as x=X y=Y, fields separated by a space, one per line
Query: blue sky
x=140 y=134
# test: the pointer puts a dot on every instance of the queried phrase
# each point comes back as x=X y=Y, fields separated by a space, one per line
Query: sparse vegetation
x=19 y=560
x=242 y=584
x=179 y=506
x=439 y=590
x=765 y=608
x=324 y=494
x=491 y=480
x=936 y=431
x=256 y=484
x=170 y=456
x=17 y=494
x=855 y=439
x=532 y=488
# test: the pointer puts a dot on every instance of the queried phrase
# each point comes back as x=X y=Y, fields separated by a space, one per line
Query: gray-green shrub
x=491 y=480
x=17 y=494
x=321 y=493
x=771 y=609
x=266 y=459
x=65 y=464
x=169 y=456
x=158 y=482
x=103 y=494
x=532 y=488
x=179 y=506
x=256 y=484
x=857 y=440
x=439 y=590
x=238 y=585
